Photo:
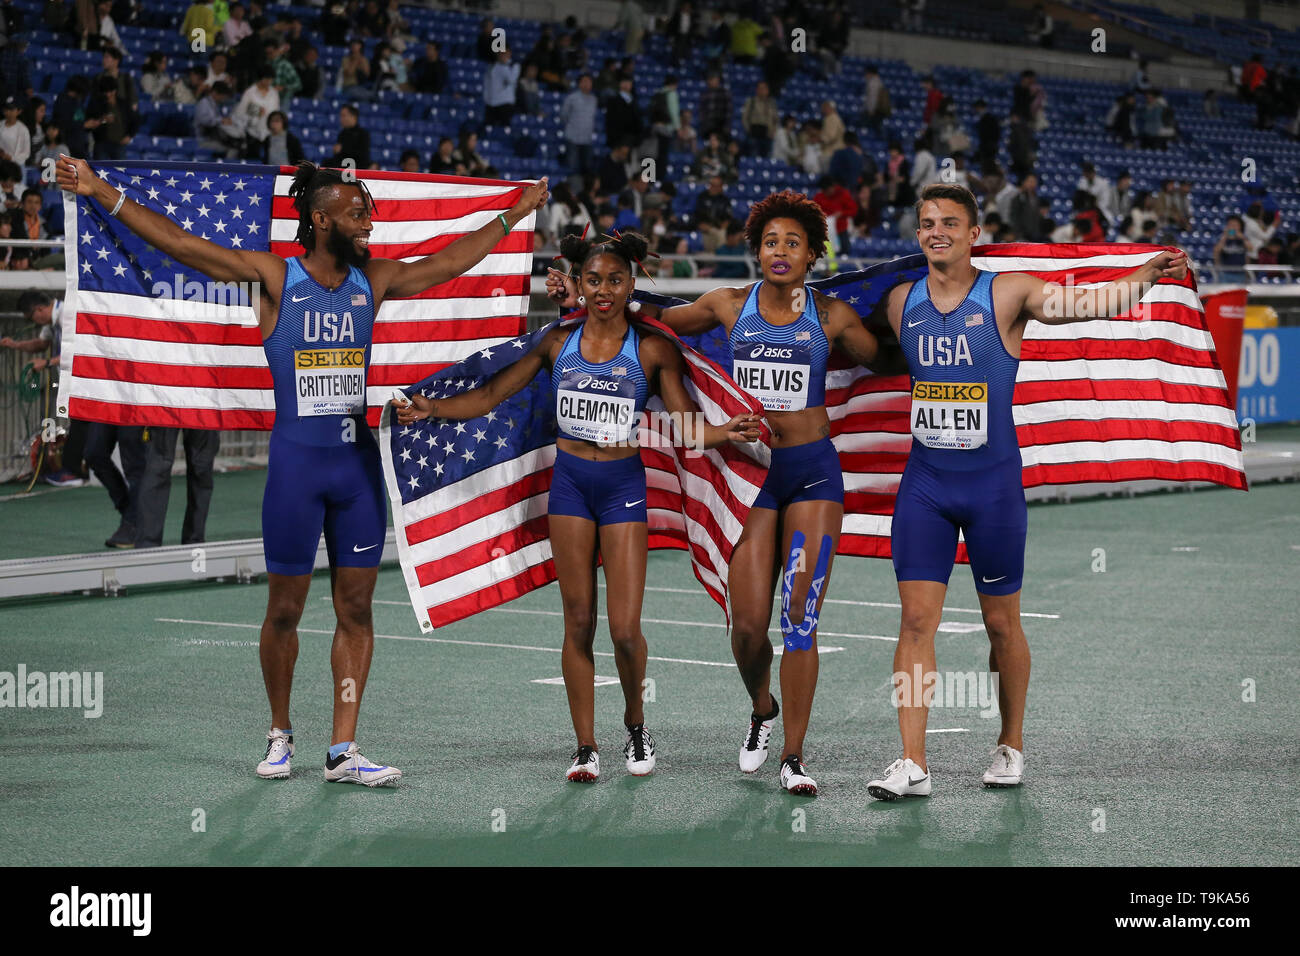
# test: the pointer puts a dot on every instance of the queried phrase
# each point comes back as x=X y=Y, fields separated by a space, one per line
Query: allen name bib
x=952 y=415
x=777 y=375
x=330 y=381
x=596 y=408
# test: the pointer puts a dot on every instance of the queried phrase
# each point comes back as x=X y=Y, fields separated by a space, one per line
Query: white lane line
x=447 y=640
x=776 y=598
x=655 y=620
x=949 y=730
x=559 y=681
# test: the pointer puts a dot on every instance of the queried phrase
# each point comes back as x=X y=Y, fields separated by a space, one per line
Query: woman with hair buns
x=602 y=371
x=780 y=334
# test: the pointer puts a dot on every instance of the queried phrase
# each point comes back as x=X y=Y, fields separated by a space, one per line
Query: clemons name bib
x=951 y=415
x=777 y=375
x=596 y=408
x=330 y=381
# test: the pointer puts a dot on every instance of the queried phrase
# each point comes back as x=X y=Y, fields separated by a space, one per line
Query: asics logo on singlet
x=596 y=383
x=770 y=351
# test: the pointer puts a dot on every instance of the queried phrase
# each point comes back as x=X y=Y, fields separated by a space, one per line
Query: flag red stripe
x=183 y=376
x=446 y=330
x=1118 y=429
x=488 y=503
x=494 y=594
x=113 y=413
x=431 y=211
x=1071 y=473
x=1119 y=390
x=155 y=330
x=481 y=552
x=1049 y=350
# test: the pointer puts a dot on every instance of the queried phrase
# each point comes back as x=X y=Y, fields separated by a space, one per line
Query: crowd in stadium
x=261 y=64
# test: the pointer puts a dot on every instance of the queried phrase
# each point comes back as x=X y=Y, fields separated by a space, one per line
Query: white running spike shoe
x=639 y=751
x=902 y=778
x=279 y=751
x=753 y=750
x=1007 y=769
x=795 y=779
x=351 y=766
x=586 y=766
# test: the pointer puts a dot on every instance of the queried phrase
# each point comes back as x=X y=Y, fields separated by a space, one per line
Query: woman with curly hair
x=780 y=336
x=602 y=371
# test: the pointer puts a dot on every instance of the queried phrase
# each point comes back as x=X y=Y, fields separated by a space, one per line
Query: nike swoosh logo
x=817 y=482
x=748 y=334
x=992 y=580
x=632 y=504
x=359 y=550
x=910 y=324
x=913 y=783
x=296 y=298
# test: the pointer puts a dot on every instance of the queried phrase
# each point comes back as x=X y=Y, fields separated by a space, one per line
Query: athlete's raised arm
x=716 y=307
x=391 y=278
x=481 y=400
x=214 y=261
x=666 y=369
x=1056 y=304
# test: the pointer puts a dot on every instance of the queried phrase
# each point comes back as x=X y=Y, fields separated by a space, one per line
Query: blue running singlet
x=599 y=402
x=324 y=472
x=783 y=366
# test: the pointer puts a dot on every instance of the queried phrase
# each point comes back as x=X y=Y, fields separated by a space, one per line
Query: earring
x=634 y=306
x=582 y=300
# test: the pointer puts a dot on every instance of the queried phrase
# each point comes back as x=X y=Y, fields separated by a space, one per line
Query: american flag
x=153 y=342
x=469 y=498
x=1100 y=401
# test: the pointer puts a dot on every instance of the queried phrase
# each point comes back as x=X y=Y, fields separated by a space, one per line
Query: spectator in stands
x=680 y=29
x=687 y=139
x=875 y=100
x=443 y=162
x=785 y=144
x=733 y=248
x=218 y=71
x=606 y=81
x=810 y=148
x=912 y=14
x=778 y=63
x=287 y=82
x=1168 y=206
x=666 y=115
x=53 y=145
x=1085 y=211
x=255 y=107
x=1041 y=28
x=111 y=131
x=715 y=106
x=391 y=69
x=933 y=98
x=949 y=135
x=213 y=126
x=1259 y=228
x=499 y=90
x=1028 y=98
x=1210 y=105
x=201 y=16
x=578 y=117
x=409 y=161
x=353 y=141
x=567 y=215
x=713 y=160
x=236 y=28
x=1024 y=218
x=309 y=72
x=989 y=229
x=282 y=148
x=70 y=115
x=108 y=35
x=15 y=70
x=1076 y=230
x=354 y=79
x=1022 y=145
x=1046 y=222
x=760 y=119
x=1122 y=120
x=15 y=140
x=468 y=156
x=615 y=168
x=11 y=174
x=1253 y=75
x=1101 y=191
x=335 y=25
x=713 y=205
x=631 y=20
x=485 y=50
x=840 y=208
x=154 y=81
x=190 y=89
x=430 y=73
x=925 y=169
x=1230 y=252
x=988 y=130
x=1142 y=219
x=26 y=219
x=849 y=164
x=12 y=258
x=622 y=118
x=832 y=131
x=528 y=93
x=1150 y=121
x=1122 y=197
x=127 y=98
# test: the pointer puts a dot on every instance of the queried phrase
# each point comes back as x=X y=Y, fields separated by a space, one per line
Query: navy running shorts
x=808 y=472
x=988 y=506
x=606 y=492
x=337 y=489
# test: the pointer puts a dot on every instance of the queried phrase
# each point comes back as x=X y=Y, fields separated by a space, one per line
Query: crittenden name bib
x=950 y=415
x=330 y=381
x=777 y=375
x=596 y=408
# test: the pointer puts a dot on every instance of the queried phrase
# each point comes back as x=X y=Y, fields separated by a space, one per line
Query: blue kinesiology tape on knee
x=792 y=563
x=801 y=639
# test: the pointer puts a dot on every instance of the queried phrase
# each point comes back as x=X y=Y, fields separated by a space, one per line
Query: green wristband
x=504 y=225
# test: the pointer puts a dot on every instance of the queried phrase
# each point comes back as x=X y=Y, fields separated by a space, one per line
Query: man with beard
x=324 y=471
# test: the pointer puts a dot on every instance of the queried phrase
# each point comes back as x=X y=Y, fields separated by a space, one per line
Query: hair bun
x=574 y=248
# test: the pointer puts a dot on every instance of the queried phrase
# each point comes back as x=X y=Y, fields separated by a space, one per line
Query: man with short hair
x=578 y=118
x=960 y=329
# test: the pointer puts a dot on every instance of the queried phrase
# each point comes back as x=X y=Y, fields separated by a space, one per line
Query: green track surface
x=1135 y=709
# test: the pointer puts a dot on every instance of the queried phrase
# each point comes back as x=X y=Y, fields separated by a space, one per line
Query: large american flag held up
x=469 y=498
x=148 y=341
x=1100 y=401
